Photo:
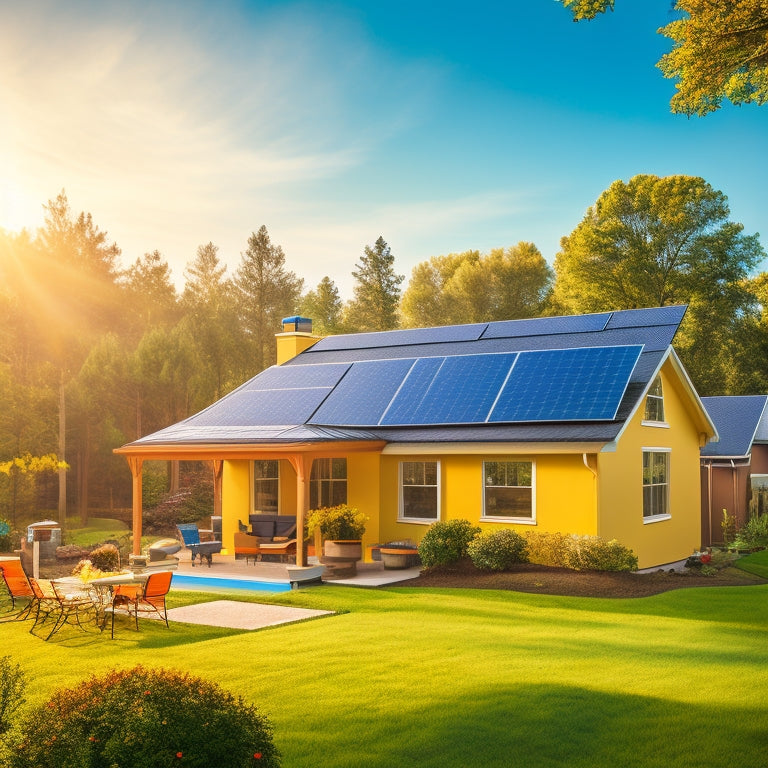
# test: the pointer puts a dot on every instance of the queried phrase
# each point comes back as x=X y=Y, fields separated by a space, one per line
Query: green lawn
x=428 y=678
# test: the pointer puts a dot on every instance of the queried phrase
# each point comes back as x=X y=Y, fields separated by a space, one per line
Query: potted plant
x=341 y=529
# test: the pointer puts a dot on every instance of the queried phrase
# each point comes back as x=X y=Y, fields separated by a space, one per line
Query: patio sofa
x=268 y=537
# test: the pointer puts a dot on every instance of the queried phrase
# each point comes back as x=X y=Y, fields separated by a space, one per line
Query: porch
x=258 y=576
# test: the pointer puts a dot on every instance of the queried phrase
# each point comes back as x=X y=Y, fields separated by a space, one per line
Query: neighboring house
x=734 y=471
x=585 y=424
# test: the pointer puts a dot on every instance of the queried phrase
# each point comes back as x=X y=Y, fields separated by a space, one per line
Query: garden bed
x=562 y=581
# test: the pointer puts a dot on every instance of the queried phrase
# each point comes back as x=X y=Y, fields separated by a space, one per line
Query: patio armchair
x=148 y=598
x=190 y=535
x=18 y=586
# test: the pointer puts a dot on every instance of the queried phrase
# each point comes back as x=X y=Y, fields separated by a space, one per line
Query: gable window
x=655 y=483
x=266 y=485
x=654 y=402
x=328 y=483
x=419 y=490
x=508 y=490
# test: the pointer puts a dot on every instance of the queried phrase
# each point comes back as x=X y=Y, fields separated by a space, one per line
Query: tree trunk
x=62 y=453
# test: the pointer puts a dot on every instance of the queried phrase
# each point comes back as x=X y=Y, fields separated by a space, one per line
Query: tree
x=427 y=300
x=211 y=322
x=720 y=51
x=505 y=284
x=267 y=292
x=376 y=291
x=324 y=307
x=655 y=241
x=150 y=293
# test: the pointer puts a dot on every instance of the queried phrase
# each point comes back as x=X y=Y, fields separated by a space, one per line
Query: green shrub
x=105 y=558
x=145 y=718
x=753 y=534
x=497 y=550
x=339 y=523
x=12 y=685
x=580 y=553
x=591 y=553
x=547 y=548
x=446 y=542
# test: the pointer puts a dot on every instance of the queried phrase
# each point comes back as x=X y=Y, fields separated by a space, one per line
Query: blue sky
x=441 y=126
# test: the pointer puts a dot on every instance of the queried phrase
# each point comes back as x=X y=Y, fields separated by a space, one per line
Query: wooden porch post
x=135 y=463
x=218 y=465
x=302 y=464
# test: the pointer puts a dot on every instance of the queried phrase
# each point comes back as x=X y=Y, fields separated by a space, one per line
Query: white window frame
x=401 y=518
x=498 y=518
x=253 y=485
x=316 y=483
x=666 y=515
x=655 y=422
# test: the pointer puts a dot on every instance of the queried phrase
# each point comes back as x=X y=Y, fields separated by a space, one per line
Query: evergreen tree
x=376 y=291
x=266 y=293
x=324 y=307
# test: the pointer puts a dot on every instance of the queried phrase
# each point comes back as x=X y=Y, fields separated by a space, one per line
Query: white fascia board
x=400 y=449
x=671 y=355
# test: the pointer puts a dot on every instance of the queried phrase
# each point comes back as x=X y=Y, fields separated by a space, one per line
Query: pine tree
x=376 y=291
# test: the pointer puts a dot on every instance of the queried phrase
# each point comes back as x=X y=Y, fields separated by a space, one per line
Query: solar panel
x=298 y=376
x=462 y=391
x=364 y=393
x=262 y=407
x=566 y=385
x=546 y=326
x=410 y=394
x=641 y=318
x=439 y=334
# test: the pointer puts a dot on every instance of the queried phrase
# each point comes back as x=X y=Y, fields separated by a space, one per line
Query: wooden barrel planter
x=340 y=558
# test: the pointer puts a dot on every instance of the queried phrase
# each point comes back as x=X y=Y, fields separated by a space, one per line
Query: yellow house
x=585 y=424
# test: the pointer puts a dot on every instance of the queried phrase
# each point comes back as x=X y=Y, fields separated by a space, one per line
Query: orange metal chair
x=147 y=599
x=18 y=586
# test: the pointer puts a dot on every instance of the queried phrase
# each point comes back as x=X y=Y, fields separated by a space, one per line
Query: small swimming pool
x=218 y=584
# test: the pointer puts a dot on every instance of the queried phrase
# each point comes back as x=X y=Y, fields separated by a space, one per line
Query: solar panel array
x=583 y=384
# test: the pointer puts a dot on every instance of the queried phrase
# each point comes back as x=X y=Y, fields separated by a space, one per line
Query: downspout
x=594 y=474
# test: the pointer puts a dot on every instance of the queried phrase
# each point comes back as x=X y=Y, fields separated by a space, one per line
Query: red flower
x=706 y=558
x=257 y=755
x=146 y=693
x=179 y=755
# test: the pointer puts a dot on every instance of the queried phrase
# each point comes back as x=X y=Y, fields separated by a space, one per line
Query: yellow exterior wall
x=620 y=506
x=236 y=492
x=565 y=494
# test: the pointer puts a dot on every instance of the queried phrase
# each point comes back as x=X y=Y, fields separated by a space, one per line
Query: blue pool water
x=215 y=584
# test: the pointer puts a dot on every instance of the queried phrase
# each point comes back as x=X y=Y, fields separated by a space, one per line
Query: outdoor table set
x=70 y=600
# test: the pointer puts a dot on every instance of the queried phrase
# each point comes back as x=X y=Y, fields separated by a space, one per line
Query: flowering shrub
x=580 y=553
x=446 y=542
x=340 y=523
x=591 y=553
x=145 y=718
x=497 y=550
x=547 y=548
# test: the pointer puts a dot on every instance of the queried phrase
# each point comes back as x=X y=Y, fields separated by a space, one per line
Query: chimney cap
x=297 y=324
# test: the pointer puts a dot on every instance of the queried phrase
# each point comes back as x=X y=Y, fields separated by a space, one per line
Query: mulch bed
x=541 y=579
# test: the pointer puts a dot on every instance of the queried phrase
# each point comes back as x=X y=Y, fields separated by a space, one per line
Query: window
x=419 y=490
x=508 y=489
x=654 y=402
x=655 y=483
x=328 y=483
x=266 y=485
x=758 y=501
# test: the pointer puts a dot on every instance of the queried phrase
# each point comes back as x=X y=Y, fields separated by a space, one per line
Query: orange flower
x=257 y=755
x=179 y=755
